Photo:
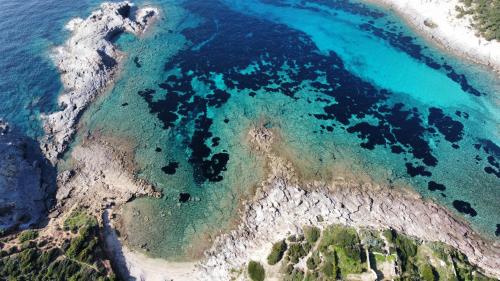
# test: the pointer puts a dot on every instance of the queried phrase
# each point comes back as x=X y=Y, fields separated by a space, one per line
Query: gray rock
x=88 y=62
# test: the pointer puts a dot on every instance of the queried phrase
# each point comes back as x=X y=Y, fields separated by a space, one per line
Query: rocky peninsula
x=88 y=62
x=441 y=22
x=283 y=205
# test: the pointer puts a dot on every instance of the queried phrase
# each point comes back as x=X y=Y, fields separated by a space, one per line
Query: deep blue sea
x=348 y=86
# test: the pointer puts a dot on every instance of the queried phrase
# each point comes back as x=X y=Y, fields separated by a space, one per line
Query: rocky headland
x=284 y=205
x=439 y=21
x=88 y=62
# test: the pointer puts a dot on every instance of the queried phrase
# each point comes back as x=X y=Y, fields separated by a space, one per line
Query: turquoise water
x=348 y=87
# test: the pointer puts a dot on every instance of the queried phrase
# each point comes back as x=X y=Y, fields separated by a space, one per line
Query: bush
x=295 y=252
x=311 y=233
x=428 y=273
x=329 y=269
x=256 y=271
x=277 y=252
x=297 y=275
x=28 y=235
x=313 y=261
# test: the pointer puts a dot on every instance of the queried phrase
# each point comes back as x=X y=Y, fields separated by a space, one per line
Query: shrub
x=28 y=235
x=256 y=271
x=295 y=253
x=406 y=250
x=329 y=269
x=277 y=252
x=428 y=273
x=311 y=233
x=313 y=261
x=297 y=275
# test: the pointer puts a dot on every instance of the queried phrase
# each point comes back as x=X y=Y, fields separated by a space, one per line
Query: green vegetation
x=312 y=233
x=295 y=252
x=296 y=275
x=428 y=273
x=343 y=243
x=277 y=252
x=78 y=219
x=313 y=261
x=80 y=258
x=27 y=235
x=339 y=253
x=485 y=14
x=256 y=271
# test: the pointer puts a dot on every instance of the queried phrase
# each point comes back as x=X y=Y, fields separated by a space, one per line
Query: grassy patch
x=343 y=243
x=428 y=273
x=78 y=219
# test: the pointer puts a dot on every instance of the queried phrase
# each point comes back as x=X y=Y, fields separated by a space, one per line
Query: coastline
x=88 y=62
x=451 y=34
x=276 y=211
x=283 y=205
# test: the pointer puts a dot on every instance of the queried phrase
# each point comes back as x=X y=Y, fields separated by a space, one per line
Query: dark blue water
x=29 y=82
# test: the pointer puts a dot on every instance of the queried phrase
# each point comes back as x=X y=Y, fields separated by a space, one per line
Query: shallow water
x=348 y=86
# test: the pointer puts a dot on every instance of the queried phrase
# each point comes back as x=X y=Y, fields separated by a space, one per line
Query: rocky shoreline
x=437 y=21
x=88 y=62
x=284 y=205
x=102 y=170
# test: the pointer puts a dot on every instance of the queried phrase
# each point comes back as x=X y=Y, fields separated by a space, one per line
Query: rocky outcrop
x=101 y=176
x=22 y=189
x=283 y=206
x=88 y=62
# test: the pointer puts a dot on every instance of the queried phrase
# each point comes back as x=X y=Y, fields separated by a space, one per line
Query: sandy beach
x=437 y=21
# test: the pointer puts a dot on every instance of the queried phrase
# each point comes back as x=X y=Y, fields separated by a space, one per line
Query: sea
x=349 y=88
